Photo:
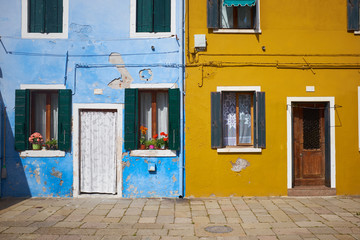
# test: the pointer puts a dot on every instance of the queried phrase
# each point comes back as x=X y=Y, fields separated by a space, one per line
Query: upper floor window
x=44 y=18
x=234 y=15
x=152 y=18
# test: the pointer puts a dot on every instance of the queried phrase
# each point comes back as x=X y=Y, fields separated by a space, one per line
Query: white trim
x=154 y=86
x=238 y=88
x=76 y=170
x=224 y=30
x=24 y=23
x=359 y=116
x=42 y=86
x=153 y=153
x=239 y=150
x=42 y=153
x=331 y=101
x=134 y=34
x=357 y=32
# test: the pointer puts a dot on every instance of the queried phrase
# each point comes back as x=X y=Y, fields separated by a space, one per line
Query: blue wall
x=95 y=32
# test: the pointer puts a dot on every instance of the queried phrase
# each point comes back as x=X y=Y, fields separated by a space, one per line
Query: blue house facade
x=100 y=80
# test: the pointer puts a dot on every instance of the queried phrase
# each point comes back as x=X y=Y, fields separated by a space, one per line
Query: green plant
x=142 y=135
x=51 y=144
x=150 y=142
x=162 y=141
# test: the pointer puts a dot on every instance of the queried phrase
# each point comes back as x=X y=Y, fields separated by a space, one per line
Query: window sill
x=42 y=153
x=153 y=153
x=239 y=150
x=252 y=31
x=151 y=34
x=357 y=32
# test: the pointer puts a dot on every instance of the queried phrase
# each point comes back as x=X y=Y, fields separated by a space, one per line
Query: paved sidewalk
x=262 y=218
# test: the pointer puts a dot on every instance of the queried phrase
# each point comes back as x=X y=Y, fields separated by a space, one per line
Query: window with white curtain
x=153 y=112
x=44 y=114
x=238 y=118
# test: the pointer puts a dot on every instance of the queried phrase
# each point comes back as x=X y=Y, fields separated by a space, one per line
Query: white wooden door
x=98 y=151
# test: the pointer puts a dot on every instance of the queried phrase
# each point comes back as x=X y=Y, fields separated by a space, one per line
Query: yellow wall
x=291 y=32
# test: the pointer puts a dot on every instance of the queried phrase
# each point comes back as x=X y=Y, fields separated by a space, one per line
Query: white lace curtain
x=161 y=112
x=230 y=101
x=98 y=152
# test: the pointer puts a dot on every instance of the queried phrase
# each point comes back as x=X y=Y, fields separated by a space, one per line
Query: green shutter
x=162 y=16
x=353 y=15
x=174 y=119
x=22 y=112
x=216 y=120
x=131 y=119
x=213 y=14
x=53 y=16
x=36 y=12
x=144 y=16
x=259 y=115
x=64 y=121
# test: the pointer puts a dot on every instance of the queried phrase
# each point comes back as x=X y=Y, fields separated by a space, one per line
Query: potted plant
x=36 y=139
x=142 y=137
x=162 y=142
x=150 y=144
x=51 y=144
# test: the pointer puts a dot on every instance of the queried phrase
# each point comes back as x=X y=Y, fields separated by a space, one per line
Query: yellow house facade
x=272 y=97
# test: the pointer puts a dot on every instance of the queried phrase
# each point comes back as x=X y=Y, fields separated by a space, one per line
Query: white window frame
x=24 y=23
x=153 y=153
x=134 y=34
x=257 y=29
x=238 y=149
x=331 y=101
x=42 y=153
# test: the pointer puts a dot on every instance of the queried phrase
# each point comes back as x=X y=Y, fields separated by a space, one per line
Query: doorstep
x=311 y=191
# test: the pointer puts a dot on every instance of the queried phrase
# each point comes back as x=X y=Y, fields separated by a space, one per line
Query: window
x=157 y=110
x=154 y=112
x=44 y=111
x=353 y=15
x=237 y=119
x=152 y=18
x=44 y=18
x=234 y=14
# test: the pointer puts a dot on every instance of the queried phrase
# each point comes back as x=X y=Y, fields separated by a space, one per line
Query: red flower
x=155 y=136
x=165 y=135
x=165 y=139
x=162 y=134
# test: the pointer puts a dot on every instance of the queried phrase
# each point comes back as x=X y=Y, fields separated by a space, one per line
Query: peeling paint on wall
x=174 y=178
x=239 y=165
x=146 y=75
x=37 y=175
x=116 y=59
x=56 y=174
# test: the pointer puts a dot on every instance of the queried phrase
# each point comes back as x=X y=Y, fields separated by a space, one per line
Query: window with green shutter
x=153 y=15
x=233 y=14
x=152 y=119
x=238 y=119
x=45 y=16
x=47 y=112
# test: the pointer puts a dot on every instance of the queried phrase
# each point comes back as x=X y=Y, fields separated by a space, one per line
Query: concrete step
x=311 y=191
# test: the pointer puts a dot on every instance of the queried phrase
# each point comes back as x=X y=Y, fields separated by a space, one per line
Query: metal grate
x=311 y=129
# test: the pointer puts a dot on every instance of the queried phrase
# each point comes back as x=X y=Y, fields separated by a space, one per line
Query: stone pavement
x=261 y=218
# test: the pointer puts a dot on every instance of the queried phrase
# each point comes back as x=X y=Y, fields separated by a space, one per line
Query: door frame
x=77 y=107
x=331 y=101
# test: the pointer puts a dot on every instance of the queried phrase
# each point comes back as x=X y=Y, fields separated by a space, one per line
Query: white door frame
x=77 y=107
x=331 y=101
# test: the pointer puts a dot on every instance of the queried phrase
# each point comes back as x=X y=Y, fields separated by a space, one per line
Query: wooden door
x=309 y=143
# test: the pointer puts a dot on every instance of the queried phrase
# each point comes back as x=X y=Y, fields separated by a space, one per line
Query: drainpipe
x=182 y=113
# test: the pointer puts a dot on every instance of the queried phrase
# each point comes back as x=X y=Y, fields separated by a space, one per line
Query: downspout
x=182 y=104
